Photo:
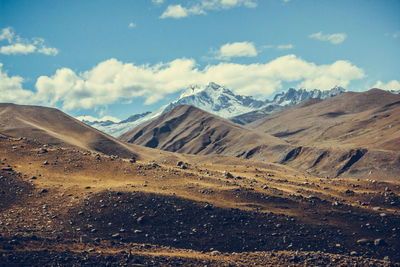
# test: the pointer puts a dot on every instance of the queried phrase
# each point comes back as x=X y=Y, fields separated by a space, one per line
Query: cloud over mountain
x=113 y=80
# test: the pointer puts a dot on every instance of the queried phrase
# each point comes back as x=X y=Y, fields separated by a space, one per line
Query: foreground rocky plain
x=60 y=205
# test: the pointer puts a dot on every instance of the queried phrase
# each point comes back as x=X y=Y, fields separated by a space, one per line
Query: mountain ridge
x=219 y=101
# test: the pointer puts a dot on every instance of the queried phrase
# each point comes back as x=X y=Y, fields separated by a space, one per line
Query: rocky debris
x=215 y=253
x=379 y=242
x=171 y=221
x=42 y=150
x=228 y=175
x=132 y=160
x=183 y=165
x=349 y=192
x=363 y=241
x=46 y=163
x=7 y=169
x=116 y=236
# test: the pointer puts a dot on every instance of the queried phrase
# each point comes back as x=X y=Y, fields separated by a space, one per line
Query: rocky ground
x=60 y=206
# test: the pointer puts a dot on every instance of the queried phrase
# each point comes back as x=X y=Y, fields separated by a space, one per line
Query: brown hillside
x=187 y=129
x=51 y=126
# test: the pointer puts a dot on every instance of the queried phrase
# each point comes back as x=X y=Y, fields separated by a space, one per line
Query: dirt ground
x=61 y=206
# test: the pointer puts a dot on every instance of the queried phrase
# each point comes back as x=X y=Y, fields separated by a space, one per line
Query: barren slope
x=357 y=133
x=370 y=119
x=66 y=207
x=51 y=126
x=187 y=129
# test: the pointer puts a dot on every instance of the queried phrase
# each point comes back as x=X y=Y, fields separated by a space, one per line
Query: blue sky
x=118 y=58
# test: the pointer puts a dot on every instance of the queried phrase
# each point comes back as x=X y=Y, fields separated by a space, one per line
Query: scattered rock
x=363 y=241
x=228 y=175
x=116 y=236
x=379 y=242
x=42 y=150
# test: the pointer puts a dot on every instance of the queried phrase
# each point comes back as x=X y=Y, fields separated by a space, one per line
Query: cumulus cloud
x=335 y=38
x=17 y=45
x=94 y=119
x=201 y=7
x=112 y=80
x=157 y=2
x=18 y=48
x=7 y=34
x=175 y=11
x=237 y=49
x=132 y=25
x=391 y=85
x=11 y=89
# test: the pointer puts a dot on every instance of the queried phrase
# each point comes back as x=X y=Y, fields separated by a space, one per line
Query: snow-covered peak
x=217 y=100
x=292 y=96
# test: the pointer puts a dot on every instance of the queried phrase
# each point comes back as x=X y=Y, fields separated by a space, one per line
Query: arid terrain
x=65 y=199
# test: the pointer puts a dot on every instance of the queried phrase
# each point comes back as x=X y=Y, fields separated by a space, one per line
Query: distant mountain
x=217 y=100
x=352 y=134
x=286 y=99
x=187 y=129
x=220 y=101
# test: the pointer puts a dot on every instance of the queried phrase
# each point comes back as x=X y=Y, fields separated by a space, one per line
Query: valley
x=194 y=189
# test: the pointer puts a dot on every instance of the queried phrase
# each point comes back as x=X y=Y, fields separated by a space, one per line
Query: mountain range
x=220 y=101
x=352 y=134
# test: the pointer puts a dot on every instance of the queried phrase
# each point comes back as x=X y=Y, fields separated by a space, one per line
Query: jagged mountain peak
x=216 y=99
x=221 y=101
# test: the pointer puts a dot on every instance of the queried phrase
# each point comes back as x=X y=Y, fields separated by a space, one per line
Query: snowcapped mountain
x=220 y=101
x=286 y=99
x=293 y=97
x=217 y=100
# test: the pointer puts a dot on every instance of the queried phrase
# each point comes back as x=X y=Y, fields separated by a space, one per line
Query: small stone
x=44 y=191
x=42 y=150
x=228 y=175
x=215 y=253
x=379 y=242
x=363 y=241
x=116 y=236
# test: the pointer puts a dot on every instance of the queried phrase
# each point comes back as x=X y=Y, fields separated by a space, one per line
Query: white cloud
x=132 y=25
x=18 y=48
x=391 y=85
x=158 y=2
x=111 y=81
x=49 y=51
x=396 y=34
x=237 y=49
x=286 y=1
x=285 y=47
x=175 y=11
x=335 y=38
x=11 y=89
x=7 y=34
x=94 y=119
x=18 y=45
x=202 y=6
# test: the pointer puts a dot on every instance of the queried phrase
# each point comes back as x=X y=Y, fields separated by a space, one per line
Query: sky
x=112 y=59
